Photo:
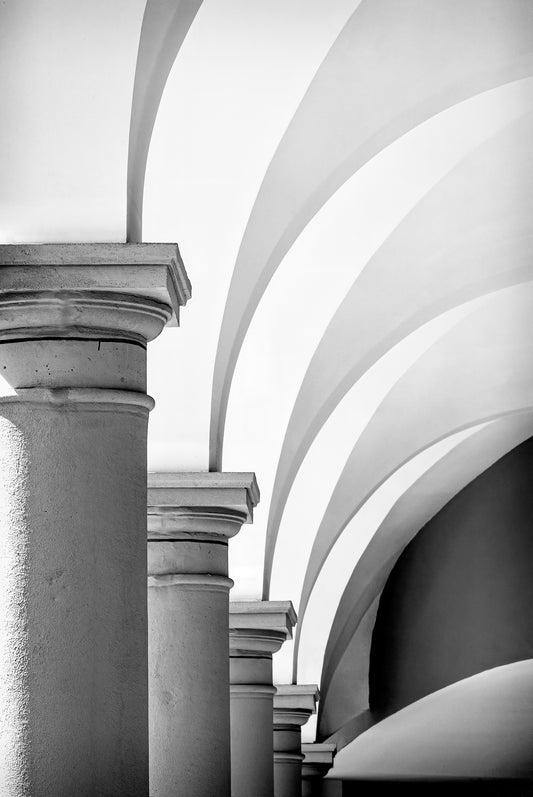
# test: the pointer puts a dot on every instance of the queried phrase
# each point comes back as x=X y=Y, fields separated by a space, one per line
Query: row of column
x=245 y=738
x=75 y=320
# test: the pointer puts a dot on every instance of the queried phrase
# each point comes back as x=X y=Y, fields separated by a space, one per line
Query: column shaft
x=73 y=421
x=252 y=748
x=190 y=518
x=73 y=602
x=189 y=672
x=293 y=705
x=257 y=630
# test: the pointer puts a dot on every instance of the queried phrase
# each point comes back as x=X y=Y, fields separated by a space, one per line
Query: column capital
x=199 y=505
x=294 y=704
x=259 y=628
x=318 y=759
x=152 y=271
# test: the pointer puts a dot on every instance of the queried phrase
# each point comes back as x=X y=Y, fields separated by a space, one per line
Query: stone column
x=293 y=705
x=74 y=323
x=318 y=760
x=257 y=630
x=191 y=516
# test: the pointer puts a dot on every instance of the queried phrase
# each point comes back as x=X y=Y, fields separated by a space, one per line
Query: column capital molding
x=201 y=505
x=73 y=288
x=294 y=704
x=260 y=627
x=318 y=759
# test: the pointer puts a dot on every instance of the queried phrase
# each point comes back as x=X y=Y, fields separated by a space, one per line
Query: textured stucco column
x=318 y=760
x=191 y=516
x=257 y=630
x=74 y=323
x=293 y=705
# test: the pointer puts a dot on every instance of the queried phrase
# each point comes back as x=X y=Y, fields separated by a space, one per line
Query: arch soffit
x=491 y=710
x=350 y=636
x=165 y=25
x=475 y=373
x=326 y=143
x=492 y=236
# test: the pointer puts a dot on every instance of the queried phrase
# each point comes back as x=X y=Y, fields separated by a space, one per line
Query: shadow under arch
x=347 y=656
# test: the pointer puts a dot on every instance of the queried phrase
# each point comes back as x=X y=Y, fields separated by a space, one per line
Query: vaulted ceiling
x=350 y=184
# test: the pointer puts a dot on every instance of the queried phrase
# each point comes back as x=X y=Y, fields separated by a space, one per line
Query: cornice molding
x=152 y=270
x=200 y=503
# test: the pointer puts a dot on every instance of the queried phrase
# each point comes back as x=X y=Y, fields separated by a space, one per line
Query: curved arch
x=324 y=262
x=476 y=373
x=327 y=140
x=320 y=611
x=481 y=727
x=351 y=632
x=451 y=247
x=164 y=27
x=331 y=449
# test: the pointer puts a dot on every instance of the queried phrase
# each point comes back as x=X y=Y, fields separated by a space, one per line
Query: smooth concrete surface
x=459 y=599
x=482 y=210
x=481 y=367
x=164 y=27
x=478 y=728
x=348 y=649
x=191 y=516
x=67 y=111
x=388 y=71
x=257 y=630
x=293 y=705
x=73 y=424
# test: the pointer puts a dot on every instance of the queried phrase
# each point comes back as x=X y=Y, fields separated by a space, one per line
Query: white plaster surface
x=480 y=728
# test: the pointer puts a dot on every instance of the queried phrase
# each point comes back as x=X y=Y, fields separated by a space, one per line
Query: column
x=318 y=760
x=257 y=630
x=191 y=516
x=293 y=705
x=74 y=324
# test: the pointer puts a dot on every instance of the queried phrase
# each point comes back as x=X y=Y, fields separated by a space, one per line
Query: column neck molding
x=265 y=691
x=283 y=757
x=205 y=582
x=97 y=399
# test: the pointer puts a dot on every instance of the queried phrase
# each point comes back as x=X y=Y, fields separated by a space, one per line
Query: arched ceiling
x=464 y=238
x=165 y=25
x=395 y=59
x=348 y=647
x=477 y=371
x=350 y=187
x=484 y=730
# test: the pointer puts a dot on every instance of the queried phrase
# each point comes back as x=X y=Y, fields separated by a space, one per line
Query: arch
x=325 y=261
x=477 y=372
x=349 y=642
x=481 y=727
x=326 y=141
x=164 y=27
x=451 y=247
